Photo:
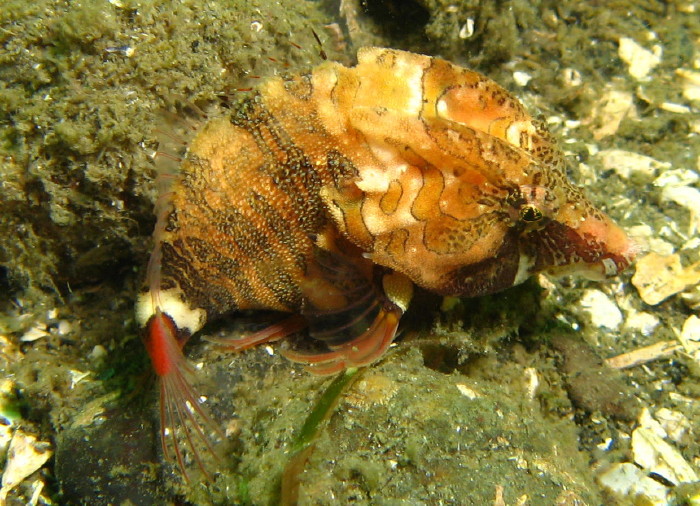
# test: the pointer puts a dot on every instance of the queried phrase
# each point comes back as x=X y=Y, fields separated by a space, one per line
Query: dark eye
x=530 y=214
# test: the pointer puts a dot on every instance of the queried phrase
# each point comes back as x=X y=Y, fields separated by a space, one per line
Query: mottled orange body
x=329 y=195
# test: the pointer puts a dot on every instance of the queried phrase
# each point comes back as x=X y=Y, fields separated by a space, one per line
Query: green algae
x=304 y=444
x=81 y=89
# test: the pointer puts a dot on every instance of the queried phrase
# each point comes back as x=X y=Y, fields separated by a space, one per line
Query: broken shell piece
x=646 y=238
x=658 y=277
x=690 y=337
x=609 y=111
x=642 y=322
x=675 y=423
x=628 y=163
x=627 y=481
x=678 y=186
x=691 y=84
x=571 y=78
x=601 y=309
x=467 y=391
x=688 y=197
x=674 y=108
x=657 y=456
x=691 y=330
x=640 y=61
x=467 y=29
x=521 y=78
x=676 y=177
x=691 y=298
x=643 y=355
x=34 y=333
x=25 y=456
x=5 y=437
x=649 y=422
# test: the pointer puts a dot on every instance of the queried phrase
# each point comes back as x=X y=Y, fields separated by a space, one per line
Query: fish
x=330 y=195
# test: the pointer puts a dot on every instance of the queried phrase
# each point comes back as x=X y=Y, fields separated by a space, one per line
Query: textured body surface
x=404 y=161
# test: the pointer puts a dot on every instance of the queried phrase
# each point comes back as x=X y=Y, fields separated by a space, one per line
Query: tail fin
x=185 y=426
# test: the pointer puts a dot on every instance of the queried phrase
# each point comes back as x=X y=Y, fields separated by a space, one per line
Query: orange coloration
x=329 y=195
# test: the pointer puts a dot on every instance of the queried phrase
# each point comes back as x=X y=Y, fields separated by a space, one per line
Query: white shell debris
x=691 y=298
x=609 y=111
x=98 y=353
x=467 y=391
x=653 y=455
x=628 y=481
x=601 y=309
x=674 y=423
x=649 y=422
x=5 y=437
x=64 y=327
x=34 y=333
x=627 y=163
x=467 y=29
x=571 y=78
x=643 y=355
x=642 y=322
x=25 y=456
x=677 y=177
x=646 y=238
x=532 y=382
x=77 y=376
x=640 y=61
x=674 y=108
x=521 y=78
x=691 y=329
x=690 y=337
x=688 y=197
x=691 y=84
x=677 y=187
x=657 y=456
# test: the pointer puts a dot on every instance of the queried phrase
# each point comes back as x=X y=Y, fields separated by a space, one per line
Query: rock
x=591 y=385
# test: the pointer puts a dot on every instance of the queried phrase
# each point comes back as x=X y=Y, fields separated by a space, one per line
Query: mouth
x=597 y=250
x=606 y=267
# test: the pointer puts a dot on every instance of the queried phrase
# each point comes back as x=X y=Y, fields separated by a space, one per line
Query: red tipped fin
x=186 y=428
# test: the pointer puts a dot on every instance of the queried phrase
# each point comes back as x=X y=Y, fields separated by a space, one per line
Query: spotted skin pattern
x=329 y=195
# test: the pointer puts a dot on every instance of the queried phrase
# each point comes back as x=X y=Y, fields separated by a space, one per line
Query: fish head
x=560 y=232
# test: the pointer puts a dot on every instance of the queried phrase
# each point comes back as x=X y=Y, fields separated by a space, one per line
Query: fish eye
x=530 y=214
